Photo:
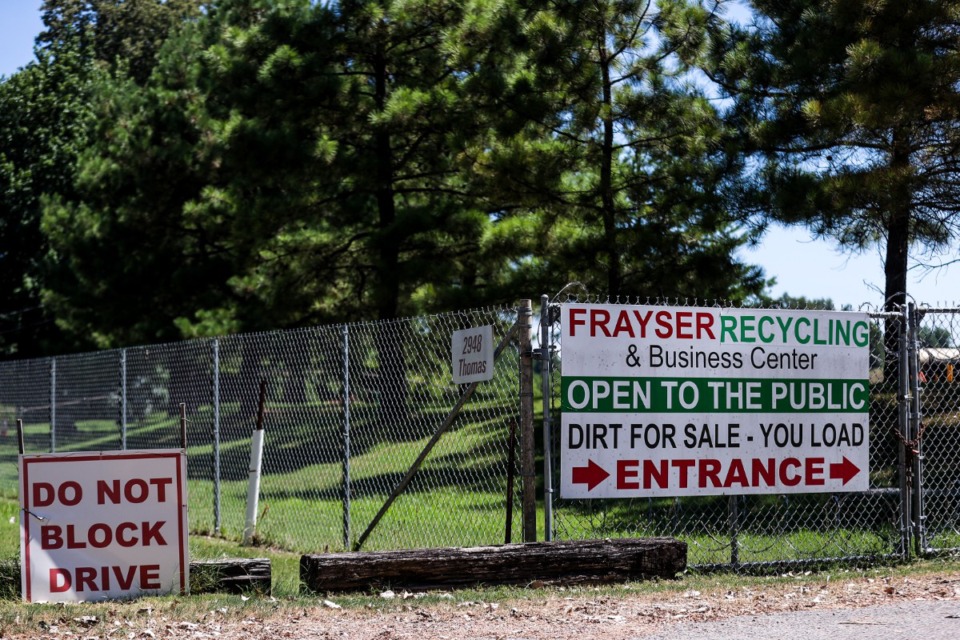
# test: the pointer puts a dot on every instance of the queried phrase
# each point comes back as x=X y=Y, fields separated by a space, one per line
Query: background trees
x=620 y=155
x=121 y=265
x=852 y=109
x=646 y=186
x=44 y=115
x=261 y=164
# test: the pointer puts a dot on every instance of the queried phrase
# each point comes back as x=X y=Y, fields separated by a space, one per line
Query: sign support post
x=527 y=460
x=545 y=325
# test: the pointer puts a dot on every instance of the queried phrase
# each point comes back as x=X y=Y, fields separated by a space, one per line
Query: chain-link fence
x=754 y=532
x=349 y=408
x=937 y=440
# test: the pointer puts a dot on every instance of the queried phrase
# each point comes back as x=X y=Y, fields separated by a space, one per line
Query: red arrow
x=845 y=470
x=590 y=475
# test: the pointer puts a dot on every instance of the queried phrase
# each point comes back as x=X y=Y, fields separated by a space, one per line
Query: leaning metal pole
x=448 y=421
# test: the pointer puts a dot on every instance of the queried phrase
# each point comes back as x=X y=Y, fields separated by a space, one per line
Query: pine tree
x=854 y=110
x=44 y=113
x=620 y=155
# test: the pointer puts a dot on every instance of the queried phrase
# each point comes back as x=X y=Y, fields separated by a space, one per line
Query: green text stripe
x=724 y=395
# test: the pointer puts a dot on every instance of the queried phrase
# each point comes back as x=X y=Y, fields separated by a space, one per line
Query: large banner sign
x=670 y=401
x=103 y=525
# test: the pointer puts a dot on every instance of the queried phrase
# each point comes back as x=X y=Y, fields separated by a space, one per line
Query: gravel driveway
x=927 y=620
x=838 y=606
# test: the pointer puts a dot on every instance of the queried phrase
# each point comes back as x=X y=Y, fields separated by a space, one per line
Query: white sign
x=104 y=525
x=668 y=401
x=473 y=355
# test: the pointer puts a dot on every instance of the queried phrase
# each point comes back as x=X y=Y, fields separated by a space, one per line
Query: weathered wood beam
x=567 y=562
x=226 y=575
x=231 y=575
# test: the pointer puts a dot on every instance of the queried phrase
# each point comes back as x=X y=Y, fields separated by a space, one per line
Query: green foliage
x=626 y=153
x=123 y=35
x=131 y=239
x=263 y=165
x=786 y=301
x=43 y=118
x=937 y=337
x=46 y=123
x=852 y=112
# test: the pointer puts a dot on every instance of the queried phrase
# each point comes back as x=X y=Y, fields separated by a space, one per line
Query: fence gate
x=937 y=439
x=912 y=503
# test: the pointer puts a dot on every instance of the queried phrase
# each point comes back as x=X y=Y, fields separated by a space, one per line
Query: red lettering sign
x=713 y=473
x=633 y=323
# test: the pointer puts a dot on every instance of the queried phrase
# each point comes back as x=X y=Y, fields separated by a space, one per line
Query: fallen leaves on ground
x=561 y=614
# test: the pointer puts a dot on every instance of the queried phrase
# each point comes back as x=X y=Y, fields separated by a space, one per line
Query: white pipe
x=253 y=488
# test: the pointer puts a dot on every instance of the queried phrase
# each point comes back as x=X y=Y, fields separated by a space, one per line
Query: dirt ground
x=562 y=614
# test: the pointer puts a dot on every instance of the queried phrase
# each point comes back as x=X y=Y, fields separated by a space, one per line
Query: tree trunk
x=246 y=388
x=231 y=575
x=392 y=366
x=607 y=201
x=388 y=246
x=295 y=378
x=897 y=253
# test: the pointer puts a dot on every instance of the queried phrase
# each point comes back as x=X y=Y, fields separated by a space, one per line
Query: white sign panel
x=473 y=355
x=668 y=401
x=104 y=525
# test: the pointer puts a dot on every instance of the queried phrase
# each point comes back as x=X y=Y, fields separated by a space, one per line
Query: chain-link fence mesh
x=938 y=438
x=349 y=408
x=24 y=395
x=757 y=531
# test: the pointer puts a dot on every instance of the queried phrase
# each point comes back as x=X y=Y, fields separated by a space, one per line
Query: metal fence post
x=53 y=405
x=903 y=401
x=734 y=521
x=528 y=455
x=547 y=435
x=123 y=399
x=918 y=515
x=346 y=437
x=216 y=436
x=256 y=465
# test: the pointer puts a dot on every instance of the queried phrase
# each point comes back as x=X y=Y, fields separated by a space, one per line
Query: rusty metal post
x=20 y=434
x=545 y=382
x=904 y=463
x=915 y=433
x=511 y=463
x=527 y=443
x=183 y=426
